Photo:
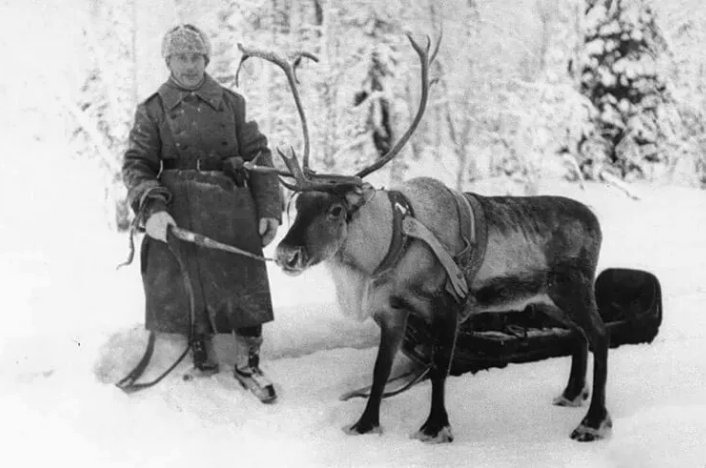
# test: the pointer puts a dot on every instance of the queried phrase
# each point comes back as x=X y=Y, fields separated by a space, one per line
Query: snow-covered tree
x=620 y=74
x=521 y=89
x=104 y=108
x=684 y=26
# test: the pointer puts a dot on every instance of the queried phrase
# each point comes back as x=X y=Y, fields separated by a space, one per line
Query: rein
x=198 y=239
x=203 y=241
x=175 y=235
x=129 y=384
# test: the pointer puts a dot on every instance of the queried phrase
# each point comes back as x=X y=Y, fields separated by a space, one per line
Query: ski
x=257 y=384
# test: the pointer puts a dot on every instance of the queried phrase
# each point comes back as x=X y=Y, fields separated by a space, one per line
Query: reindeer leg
x=392 y=327
x=576 y=391
x=573 y=294
x=437 y=429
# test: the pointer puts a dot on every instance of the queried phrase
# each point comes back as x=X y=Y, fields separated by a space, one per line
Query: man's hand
x=268 y=230
x=156 y=225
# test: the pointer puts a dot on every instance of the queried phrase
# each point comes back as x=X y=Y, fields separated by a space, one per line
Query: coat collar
x=210 y=92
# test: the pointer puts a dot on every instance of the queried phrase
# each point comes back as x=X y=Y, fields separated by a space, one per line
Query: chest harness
x=461 y=267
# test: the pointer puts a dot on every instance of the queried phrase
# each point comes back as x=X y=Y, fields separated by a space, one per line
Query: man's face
x=188 y=68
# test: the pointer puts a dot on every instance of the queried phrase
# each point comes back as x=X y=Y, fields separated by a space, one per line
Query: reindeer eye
x=335 y=211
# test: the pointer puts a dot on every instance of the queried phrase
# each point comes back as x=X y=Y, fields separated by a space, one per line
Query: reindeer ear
x=358 y=195
x=368 y=191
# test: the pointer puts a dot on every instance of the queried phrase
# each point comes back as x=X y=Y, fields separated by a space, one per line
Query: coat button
x=224 y=143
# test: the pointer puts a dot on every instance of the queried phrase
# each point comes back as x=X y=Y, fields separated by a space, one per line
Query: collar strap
x=401 y=209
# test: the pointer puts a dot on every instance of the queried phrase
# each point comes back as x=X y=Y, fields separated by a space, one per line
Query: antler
x=312 y=182
x=425 y=62
x=304 y=178
x=290 y=72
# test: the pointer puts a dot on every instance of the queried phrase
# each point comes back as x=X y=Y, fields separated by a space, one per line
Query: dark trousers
x=253 y=332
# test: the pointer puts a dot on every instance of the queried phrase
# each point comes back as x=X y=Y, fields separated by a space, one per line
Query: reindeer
x=537 y=250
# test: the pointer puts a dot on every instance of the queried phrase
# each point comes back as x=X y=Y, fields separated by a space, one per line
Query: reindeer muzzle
x=292 y=260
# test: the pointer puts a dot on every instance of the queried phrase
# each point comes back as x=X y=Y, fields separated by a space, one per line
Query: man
x=183 y=167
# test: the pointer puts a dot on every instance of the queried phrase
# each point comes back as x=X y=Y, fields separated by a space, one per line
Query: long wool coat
x=230 y=291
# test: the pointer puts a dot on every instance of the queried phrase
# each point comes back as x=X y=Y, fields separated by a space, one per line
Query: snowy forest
x=602 y=101
x=608 y=90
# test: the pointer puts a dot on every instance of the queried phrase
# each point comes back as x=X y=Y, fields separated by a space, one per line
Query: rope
x=129 y=384
x=174 y=234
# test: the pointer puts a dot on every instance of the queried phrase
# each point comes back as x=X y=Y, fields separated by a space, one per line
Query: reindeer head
x=327 y=203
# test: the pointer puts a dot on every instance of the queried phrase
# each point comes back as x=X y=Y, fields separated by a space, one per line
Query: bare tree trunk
x=327 y=88
x=545 y=9
x=574 y=67
x=318 y=16
x=133 y=51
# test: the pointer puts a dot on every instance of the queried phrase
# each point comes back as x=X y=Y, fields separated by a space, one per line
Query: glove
x=157 y=223
x=268 y=230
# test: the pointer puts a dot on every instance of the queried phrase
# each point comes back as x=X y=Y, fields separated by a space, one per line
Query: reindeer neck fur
x=362 y=251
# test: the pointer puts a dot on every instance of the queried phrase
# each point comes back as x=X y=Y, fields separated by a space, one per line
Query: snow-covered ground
x=72 y=326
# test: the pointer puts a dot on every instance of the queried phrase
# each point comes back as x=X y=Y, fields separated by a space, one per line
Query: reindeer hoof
x=361 y=428
x=584 y=433
x=575 y=402
x=442 y=436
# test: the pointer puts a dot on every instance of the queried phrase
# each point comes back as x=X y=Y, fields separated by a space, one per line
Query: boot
x=247 y=368
x=204 y=354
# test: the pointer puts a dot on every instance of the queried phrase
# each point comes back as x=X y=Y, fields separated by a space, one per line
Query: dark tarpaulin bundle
x=629 y=301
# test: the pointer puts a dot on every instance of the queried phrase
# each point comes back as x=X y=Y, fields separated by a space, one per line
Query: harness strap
x=401 y=209
x=460 y=268
x=414 y=228
x=467 y=228
x=473 y=260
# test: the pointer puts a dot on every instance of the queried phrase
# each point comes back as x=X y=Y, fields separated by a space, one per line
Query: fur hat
x=186 y=38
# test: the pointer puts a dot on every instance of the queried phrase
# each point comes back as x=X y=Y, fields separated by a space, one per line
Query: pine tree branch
x=106 y=78
x=610 y=179
x=571 y=159
x=86 y=123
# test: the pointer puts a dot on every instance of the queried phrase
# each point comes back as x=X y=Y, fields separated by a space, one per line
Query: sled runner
x=629 y=301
